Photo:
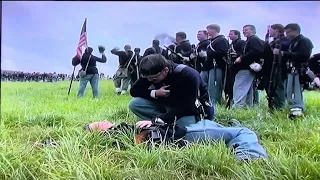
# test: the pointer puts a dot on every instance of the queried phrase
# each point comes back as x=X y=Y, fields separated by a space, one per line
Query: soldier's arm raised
x=103 y=59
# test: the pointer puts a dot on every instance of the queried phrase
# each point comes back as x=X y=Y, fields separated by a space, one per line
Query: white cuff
x=153 y=94
x=159 y=121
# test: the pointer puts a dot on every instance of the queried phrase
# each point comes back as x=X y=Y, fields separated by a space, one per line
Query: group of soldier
x=241 y=69
x=38 y=77
x=35 y=76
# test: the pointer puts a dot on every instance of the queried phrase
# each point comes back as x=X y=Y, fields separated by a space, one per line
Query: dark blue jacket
x=184 y=87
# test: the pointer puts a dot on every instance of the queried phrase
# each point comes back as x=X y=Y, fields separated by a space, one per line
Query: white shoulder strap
x=87 y=63
x=130 y=60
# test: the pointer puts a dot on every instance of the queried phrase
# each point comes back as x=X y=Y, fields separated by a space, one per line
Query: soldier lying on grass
x=243 y=141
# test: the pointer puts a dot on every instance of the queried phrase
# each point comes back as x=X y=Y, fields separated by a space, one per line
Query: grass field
x=31 y=112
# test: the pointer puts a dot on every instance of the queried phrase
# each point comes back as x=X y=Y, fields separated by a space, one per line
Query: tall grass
x=32 y=112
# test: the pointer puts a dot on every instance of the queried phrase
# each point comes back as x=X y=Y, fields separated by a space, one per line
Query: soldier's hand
x=186 y=59
x=203 y=53
x=238 y=60
x=162 y=92
x=276 y=51
x=233 y=54
x=141 y=124
x=192 y=56
x=317 y=81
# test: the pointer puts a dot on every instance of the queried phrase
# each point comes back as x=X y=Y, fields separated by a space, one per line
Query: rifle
x=273 y=81
x=172 y=51
x=194 y=52
x=267 y=36
x=258 y=79
x=232 y=55
x=137 y=67
x=179 y=56
x=228 y=61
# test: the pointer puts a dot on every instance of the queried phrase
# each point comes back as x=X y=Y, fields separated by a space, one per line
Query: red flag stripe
x=82 y=39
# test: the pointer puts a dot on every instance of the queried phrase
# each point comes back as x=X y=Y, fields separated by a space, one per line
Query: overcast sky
x=43 y=36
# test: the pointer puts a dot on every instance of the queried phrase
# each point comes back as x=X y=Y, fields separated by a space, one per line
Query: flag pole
x=137 y=67
x=74 y=67
x=86 y=33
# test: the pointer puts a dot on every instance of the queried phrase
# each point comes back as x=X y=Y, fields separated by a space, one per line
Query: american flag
x=83 y=39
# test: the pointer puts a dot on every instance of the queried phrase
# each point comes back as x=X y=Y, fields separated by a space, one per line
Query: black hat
x=89 y=50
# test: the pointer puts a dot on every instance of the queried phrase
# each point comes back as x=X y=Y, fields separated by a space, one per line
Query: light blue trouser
x=94 y=82
x=121 y=83
x=294 y=92
x=214 y=80
x=242 y=140
x=243 y=89
x=146 y=110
